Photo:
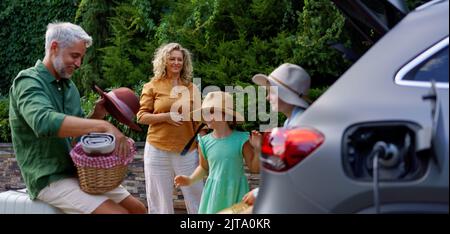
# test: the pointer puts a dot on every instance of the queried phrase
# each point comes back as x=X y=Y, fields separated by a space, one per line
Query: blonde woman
x=168 y=131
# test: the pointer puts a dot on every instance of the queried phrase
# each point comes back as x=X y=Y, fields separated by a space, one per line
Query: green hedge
x=231 y=40
x=5 y=132
x=229 y=44
x=22 y=32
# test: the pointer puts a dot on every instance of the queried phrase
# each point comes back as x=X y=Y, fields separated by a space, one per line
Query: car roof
x=372 y=19
x=368 y=86
x=428 y=4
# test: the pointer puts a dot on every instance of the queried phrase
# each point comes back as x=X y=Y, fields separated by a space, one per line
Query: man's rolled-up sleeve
x=36 y=108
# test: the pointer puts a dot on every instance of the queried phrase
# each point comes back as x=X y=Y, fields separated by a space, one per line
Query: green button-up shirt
x=38 y=105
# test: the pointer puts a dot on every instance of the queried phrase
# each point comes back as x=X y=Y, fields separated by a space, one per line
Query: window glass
x=434 y=68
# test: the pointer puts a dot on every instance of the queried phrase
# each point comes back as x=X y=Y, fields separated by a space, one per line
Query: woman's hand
x=182 y=181
x=174 y=118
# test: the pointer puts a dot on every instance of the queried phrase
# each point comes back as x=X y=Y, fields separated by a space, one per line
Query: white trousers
x=160 y=168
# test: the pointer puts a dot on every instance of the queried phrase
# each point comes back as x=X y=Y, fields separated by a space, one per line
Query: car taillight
x=284 y=148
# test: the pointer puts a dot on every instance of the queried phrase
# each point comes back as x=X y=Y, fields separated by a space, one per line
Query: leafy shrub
x=22 y=33
x=230 y=45
x=5 y=131
x=229 y=42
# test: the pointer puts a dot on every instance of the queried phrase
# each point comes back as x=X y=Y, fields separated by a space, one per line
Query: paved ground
x=180 y=211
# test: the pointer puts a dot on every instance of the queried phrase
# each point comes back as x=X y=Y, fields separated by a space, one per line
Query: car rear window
x=434 y=68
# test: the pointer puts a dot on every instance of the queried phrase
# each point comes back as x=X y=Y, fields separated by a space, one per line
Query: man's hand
x=122 y=145
x=74 y=127
x=99 y=109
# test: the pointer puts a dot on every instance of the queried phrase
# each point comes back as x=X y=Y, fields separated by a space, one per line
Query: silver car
x=377 y=140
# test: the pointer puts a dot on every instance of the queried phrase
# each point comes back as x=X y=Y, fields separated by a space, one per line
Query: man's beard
x=60 y=69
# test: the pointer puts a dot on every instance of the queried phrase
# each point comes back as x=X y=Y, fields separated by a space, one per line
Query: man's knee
x=110 y=207
x=133 y=205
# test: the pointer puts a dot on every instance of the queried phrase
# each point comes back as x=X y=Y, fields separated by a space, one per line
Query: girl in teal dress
x=222 y=154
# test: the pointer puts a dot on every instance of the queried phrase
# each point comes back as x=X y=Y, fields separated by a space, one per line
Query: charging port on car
x=400 y=161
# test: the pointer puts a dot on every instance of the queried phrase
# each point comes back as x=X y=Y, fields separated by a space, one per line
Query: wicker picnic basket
x=99 y=180
x=98 y=174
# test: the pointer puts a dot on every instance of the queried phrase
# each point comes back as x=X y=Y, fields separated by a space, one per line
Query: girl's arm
x=252 y=150
x=200 y=172
x=251 y=157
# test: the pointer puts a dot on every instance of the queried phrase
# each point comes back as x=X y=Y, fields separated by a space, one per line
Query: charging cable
x=376 y=193
x=388 y=155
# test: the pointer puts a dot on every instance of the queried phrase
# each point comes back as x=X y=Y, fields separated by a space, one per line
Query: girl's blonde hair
x=160 y=62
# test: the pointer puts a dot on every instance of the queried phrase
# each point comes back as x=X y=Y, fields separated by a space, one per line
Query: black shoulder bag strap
x=189 y=144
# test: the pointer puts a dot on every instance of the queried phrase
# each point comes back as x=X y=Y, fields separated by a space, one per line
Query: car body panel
x=367 y=93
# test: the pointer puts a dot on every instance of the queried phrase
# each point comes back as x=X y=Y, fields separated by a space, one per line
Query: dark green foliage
x=412 y=4
x=319 y=24
x=5 y=132
x=22 y=33
x=123 y=46
x=233 y=40
x=230 y=40
x=93 y=15
x=127 y=60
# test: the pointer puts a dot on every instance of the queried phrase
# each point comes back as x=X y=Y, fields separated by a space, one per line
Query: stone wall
x=11 y=179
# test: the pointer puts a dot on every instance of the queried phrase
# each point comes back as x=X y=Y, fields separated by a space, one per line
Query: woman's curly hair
x=160 y=62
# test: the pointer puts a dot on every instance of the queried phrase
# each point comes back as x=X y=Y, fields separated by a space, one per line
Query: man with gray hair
x=45 y=114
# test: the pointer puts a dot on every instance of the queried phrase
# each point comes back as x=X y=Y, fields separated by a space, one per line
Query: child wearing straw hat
x=220 y=154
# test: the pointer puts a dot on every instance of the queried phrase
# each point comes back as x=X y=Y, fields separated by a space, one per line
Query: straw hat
x=122 y=104
x=293 y=83
x=219 y=102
